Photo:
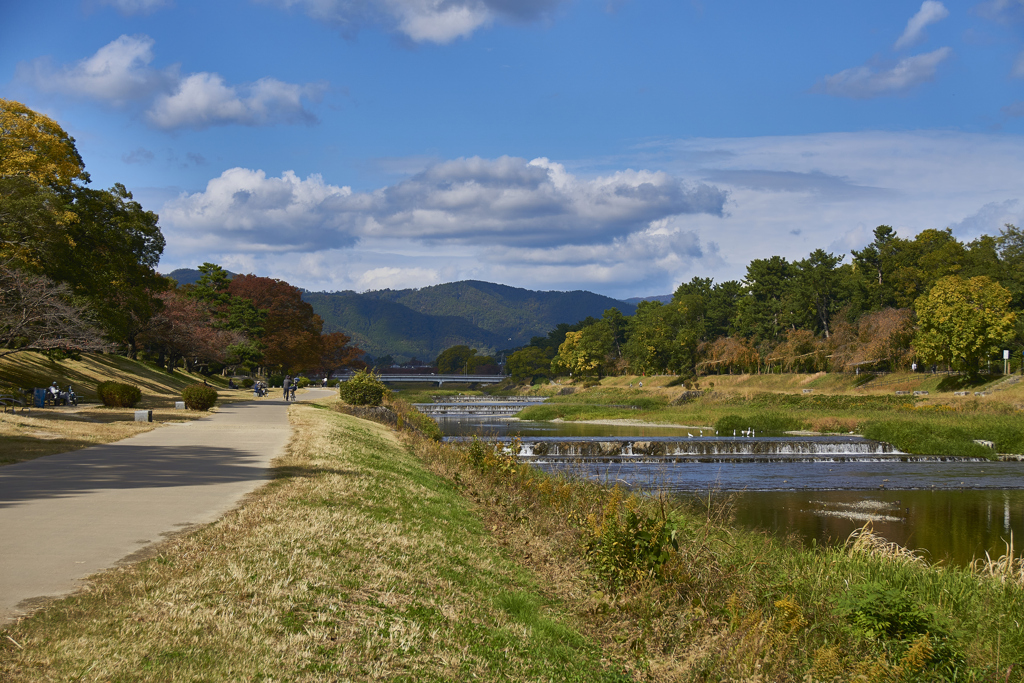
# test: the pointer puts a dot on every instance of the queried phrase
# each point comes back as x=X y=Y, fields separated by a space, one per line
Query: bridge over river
x=440 y=379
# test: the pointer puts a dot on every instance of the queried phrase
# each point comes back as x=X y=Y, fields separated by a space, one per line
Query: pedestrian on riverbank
x=287 y=384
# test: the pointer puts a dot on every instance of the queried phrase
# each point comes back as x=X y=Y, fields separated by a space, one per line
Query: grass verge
x=356 y=563
x=37 y=433
x=676 y=594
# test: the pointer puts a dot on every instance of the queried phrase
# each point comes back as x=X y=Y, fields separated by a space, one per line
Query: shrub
x=275 y=381
x=303 y=382
x=363 y=389
x=199 y=397
x=118 y=394
x=247 y=383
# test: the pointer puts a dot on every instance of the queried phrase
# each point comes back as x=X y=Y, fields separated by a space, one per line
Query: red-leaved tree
x=291 y=335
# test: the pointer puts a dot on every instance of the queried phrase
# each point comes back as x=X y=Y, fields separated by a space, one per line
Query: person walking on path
x=287 y=384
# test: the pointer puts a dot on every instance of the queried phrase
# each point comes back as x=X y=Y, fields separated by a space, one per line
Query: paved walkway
x=64 y=517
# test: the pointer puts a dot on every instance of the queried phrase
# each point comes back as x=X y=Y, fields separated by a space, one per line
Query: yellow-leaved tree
x=39 y=165
x=961 y=321
x=35 y=146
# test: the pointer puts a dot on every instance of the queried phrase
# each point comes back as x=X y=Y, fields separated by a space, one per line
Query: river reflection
x=954 y=527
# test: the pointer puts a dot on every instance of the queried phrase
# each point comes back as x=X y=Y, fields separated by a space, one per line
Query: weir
x=472 y=405
x=703 y=449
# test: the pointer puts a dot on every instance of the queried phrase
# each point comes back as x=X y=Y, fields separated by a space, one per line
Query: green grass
x=355 y=563
x=727 y=604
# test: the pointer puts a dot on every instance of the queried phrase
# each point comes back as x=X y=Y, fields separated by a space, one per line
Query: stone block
x=143 y=415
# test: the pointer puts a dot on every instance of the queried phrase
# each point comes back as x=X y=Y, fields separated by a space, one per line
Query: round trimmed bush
x=363 y=389
x=118 y=394
x=247 y=383
x=199 y=396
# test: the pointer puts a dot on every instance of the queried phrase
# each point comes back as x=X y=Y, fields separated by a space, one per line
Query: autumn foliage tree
x=337 y=352
x=963 y=320
x=183 y=330
x=291 y=330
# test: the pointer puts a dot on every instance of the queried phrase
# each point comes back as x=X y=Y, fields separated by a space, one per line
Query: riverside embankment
x=370 y=557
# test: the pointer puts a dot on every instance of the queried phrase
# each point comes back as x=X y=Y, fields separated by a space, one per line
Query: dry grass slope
x=355 y=564
x=159 y=388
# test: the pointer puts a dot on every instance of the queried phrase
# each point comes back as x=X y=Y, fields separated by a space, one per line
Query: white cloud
x=865 y=82
x=120 y=72
x=505 y=201
x=424 y=21
x=988 y=219
x=436 y=21
x=244 y=210
x=1018 y=66
x=931 y=11
x=202 y=100
x=117 y=73
x=1015 y=110
x=389 y=277
x=787 y=195
x=130 y=7
x=1004 y=11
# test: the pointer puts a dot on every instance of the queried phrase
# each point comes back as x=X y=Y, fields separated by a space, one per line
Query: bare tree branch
x=37 y=314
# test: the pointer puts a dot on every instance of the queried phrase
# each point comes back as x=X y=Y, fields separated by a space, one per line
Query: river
x=953 y=511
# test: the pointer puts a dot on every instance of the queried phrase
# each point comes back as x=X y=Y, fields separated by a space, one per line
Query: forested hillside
x=424 y=322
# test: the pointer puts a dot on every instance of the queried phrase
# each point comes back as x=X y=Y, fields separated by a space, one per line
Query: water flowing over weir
x=701 y=449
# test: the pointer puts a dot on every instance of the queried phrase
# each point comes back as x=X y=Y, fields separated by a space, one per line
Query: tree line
x=78 y=273
x=928 y=300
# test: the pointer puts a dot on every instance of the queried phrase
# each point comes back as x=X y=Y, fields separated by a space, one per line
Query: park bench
x=12 y=402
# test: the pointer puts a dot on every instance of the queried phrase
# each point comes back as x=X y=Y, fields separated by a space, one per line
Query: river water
x=953 y=511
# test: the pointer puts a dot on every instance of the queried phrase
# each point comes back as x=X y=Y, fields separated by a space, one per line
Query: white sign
x=1006 y=355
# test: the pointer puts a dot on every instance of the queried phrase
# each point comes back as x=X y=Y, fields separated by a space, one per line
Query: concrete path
x=64 y=517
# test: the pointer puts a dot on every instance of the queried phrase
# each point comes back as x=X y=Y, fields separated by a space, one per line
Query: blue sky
x=620 y=146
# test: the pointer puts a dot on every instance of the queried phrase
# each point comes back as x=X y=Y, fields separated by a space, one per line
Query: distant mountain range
x=423 y=322
x=482 y=315
x=635 y=300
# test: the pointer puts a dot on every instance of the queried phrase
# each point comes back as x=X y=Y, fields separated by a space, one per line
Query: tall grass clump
x=760 y=422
